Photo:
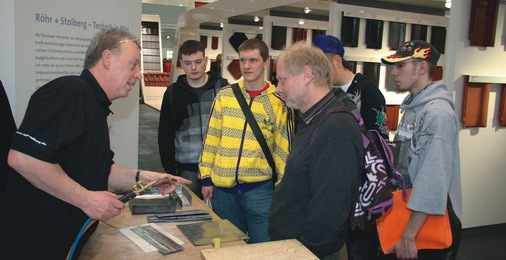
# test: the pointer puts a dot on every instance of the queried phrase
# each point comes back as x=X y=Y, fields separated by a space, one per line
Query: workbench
x=108 y=243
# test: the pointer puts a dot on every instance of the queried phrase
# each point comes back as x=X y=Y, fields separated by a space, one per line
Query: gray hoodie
x=429 y=154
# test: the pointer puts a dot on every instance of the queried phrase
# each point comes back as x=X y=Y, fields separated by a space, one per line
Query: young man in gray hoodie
x=429 y=137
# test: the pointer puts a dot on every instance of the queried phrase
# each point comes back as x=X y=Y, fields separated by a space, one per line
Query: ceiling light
x=448 y=4
x=301 y=21
x=307 y=10
x=168 y=36
x=256 y=19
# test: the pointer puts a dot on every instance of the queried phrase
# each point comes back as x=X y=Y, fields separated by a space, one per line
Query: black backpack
x=373 y=196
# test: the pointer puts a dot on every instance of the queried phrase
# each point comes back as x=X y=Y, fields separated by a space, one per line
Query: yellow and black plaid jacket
x=231 y=152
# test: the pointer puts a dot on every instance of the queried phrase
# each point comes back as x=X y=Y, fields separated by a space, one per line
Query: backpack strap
x=369 y=136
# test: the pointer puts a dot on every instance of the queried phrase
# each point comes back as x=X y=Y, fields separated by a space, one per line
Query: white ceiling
x=422 y=3
x=221 y=10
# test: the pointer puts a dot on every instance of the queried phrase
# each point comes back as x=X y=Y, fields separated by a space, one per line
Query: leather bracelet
x=137 y=176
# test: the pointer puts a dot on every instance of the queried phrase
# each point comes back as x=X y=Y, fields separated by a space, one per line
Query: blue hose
x=76 y=241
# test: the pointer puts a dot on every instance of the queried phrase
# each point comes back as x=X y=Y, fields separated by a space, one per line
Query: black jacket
x=183 y=120
x=7 y=129
x=371 y=103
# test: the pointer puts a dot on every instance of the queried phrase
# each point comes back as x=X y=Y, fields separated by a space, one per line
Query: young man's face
x=194 y=65
x=406 y=74
x=252 y=65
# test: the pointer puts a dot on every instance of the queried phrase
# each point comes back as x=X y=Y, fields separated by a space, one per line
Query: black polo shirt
x=66 y=124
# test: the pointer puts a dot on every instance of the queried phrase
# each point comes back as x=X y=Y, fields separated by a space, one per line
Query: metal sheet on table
x=203 y=233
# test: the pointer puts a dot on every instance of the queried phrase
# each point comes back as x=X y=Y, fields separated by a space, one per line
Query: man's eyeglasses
x=399 y=65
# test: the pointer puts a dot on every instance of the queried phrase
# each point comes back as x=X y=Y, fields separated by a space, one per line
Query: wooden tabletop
x=108 y=243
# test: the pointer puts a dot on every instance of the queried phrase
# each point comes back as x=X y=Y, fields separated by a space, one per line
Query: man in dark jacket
x=61 y=158
x=185 y=112
x=314 y=200
x=361 y=244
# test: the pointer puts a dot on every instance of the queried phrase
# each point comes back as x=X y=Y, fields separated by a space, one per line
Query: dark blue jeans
x=248 y=211
x=363 y=244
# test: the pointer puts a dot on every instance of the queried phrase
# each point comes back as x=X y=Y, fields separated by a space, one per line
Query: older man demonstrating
x=61 y=156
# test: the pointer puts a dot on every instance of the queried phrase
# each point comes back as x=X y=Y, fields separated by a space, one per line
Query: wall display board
x=418 y=32
x=483 y=22
x=50 y=40
x=154 y=81
x=151 y=44
x=438 y=38
x=475 y=103
x=502 y=112
x=396 y=35
x=350 y=27
x=372 y=71
x=393 y=116
x=278 y=42
x=374 y=34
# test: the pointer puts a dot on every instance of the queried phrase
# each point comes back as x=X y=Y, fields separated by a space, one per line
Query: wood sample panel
x=475 y=103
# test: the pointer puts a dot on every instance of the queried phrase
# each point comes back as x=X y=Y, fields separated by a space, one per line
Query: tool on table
x=180 y=216
x=139 y=187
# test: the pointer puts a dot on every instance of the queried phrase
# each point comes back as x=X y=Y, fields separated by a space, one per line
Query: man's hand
x=404 y=249
x=101 y=205
x=207 y=192
x=167 y=184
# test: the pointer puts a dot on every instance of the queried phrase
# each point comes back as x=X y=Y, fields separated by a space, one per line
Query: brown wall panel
x=483 y=22
x=393 y=116
x=299 y=34
x=475 y=103
x=502 y=113
x=438 y=73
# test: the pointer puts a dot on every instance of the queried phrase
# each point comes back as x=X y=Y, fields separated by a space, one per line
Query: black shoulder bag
x=256 y=130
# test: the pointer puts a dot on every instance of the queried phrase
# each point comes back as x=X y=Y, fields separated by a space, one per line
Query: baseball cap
x=329 y=43
x=415 y=49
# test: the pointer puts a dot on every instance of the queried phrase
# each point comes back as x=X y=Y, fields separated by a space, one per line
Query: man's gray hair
x=302 y=54
x=107 y=39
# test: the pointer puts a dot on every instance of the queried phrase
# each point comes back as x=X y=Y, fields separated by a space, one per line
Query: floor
x=482 y=243
x=149 y=157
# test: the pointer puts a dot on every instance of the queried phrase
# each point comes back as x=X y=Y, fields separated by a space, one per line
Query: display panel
x=374 y=34
x=350 y=27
